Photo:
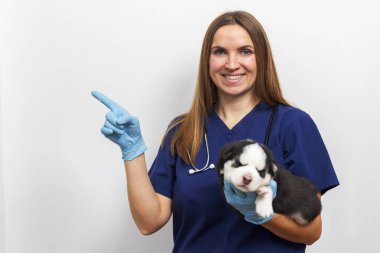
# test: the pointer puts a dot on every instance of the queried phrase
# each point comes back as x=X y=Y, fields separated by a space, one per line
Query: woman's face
x=232 y=61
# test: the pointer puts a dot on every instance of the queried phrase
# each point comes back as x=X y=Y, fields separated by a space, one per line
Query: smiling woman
x=235 y=38
x=236 y=92
x=233 y=63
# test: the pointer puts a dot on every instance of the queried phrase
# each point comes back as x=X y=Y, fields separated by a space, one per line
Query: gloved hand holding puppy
x=250 y=175
x=244 y=202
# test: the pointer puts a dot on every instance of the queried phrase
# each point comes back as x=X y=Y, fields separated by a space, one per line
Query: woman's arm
x=288 y=229
x=150 y=210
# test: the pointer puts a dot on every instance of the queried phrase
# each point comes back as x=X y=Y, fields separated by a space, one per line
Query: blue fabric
x=202 y=221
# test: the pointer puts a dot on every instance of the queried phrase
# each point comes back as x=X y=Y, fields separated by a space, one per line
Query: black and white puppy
x=250 y=166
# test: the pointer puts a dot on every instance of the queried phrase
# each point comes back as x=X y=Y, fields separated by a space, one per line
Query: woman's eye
x=218 y=51
x=246 y=52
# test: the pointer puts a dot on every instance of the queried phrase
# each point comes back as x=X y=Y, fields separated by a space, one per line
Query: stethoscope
x=206 y=167
x=212 y=166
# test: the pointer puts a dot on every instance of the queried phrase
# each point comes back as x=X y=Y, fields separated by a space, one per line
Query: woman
x=237 y=88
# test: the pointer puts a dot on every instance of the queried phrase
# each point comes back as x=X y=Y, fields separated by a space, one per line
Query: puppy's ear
x=225 y=154
x=271 y=162
x=275 y=169
x=268 y=153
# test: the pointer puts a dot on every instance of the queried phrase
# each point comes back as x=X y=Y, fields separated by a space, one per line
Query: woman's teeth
x=233 y=77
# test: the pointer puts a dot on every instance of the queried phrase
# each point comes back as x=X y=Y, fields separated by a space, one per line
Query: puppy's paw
x=263 y=190
x=264 y=210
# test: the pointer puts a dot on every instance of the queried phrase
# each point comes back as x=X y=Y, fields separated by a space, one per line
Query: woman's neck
x=233 y=109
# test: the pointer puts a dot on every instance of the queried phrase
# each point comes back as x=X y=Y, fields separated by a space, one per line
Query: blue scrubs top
x=202 y=221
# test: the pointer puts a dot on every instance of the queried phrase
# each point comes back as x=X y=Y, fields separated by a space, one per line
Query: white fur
x=264 y=201
x=274 y=168
x=253 y=159
x=298 y=218
x=253 y=154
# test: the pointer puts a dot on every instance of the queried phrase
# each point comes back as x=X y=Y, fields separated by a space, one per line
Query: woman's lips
x=233 y=79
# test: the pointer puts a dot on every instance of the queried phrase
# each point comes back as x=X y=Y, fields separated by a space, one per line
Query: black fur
x=294 y=194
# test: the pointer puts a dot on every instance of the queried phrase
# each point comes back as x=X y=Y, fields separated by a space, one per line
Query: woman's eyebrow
x=217 y=47
x=245 y=46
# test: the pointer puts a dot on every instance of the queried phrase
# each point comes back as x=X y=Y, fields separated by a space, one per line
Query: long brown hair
x=190 y=126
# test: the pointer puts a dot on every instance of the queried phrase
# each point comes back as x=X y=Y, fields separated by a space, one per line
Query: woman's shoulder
x=177 y=120
x=291 y=112
x=175 y=123
x=290 y=115
x=173 y=126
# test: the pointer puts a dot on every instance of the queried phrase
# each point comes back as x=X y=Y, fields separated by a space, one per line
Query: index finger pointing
x=105 y=100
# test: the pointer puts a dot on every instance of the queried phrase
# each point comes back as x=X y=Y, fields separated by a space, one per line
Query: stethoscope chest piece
x=195 y=170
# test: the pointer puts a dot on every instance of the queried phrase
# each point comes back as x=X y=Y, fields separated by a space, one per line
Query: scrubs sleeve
x=162 y=171
x=305 y=153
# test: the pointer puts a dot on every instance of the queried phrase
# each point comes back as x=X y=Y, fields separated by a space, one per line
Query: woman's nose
x=232 y=62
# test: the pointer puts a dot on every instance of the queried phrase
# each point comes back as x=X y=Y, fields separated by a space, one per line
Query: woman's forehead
x=232 y=35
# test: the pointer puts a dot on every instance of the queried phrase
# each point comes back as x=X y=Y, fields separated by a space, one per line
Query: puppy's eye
x=262 y=173
x=236 y=164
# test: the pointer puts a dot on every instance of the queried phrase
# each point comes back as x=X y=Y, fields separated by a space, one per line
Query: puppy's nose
x=247 y=179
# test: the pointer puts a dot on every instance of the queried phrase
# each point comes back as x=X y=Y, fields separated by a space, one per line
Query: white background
x=62 y=184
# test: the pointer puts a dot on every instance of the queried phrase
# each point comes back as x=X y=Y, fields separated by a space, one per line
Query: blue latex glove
x=244 y=202
x=122 y=128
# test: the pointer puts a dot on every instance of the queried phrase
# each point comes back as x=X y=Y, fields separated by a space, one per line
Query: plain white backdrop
x=62 y=184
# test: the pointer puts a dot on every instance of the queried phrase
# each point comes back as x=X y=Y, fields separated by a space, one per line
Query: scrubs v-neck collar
x=238 y=128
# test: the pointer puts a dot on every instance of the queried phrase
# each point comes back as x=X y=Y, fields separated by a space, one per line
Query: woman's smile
x=233 y=79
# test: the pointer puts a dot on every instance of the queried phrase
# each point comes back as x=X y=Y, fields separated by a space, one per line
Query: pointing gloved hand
x=244 y=202
x=122 y=128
